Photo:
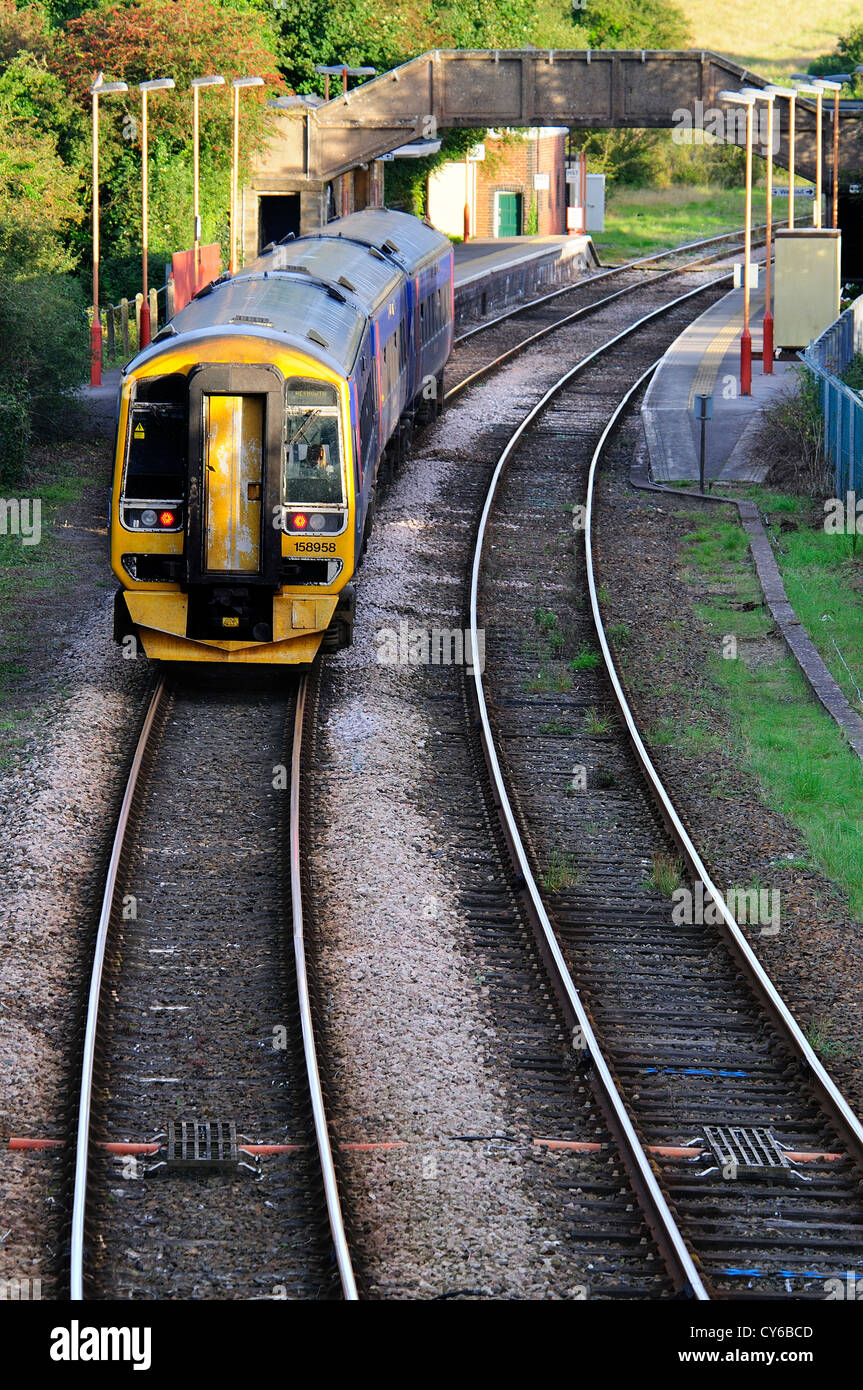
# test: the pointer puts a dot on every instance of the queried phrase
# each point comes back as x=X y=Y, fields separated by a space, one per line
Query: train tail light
x=166 y=518
x=299 y=521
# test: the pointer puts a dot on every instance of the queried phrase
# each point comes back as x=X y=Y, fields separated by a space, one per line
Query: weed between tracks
x=560 y=874
x=665 y=873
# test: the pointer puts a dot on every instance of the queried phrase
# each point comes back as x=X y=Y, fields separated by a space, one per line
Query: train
x=255 y=432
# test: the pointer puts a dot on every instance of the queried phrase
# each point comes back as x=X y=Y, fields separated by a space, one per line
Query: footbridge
x=311 y=146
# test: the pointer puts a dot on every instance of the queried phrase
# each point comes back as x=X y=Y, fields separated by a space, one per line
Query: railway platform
x=706 y=359
x=494 y=274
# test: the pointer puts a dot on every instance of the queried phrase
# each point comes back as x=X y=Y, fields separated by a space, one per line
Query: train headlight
x=148 y=518
x=317 y=522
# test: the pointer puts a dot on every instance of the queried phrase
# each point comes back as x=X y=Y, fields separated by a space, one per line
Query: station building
x=514 y=184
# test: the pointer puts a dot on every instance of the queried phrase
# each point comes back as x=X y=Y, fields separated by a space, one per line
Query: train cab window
x=156 y=452
x=313 y=471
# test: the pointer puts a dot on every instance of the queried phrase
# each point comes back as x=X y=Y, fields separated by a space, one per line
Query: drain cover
x=202 y=1144
x=751 y=1148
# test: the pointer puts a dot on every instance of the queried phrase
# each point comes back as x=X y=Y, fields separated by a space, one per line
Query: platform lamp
x=214 y=80
x=791 y=94
x=748 y=100
x=100 y=88
x=834 y=83
x=767 y=94
x=157 y=84
x=340 y=70
x=237 y=83
x=806 y=88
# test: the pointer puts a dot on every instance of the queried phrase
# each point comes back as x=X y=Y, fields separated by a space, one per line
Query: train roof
x=318 y=291
x=411 y=243
x=309 y=312
x=361 y=272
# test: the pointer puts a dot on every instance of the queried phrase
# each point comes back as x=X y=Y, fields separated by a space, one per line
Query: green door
x=508 y=214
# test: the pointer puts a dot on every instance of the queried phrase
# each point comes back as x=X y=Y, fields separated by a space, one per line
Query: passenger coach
x=254 y=432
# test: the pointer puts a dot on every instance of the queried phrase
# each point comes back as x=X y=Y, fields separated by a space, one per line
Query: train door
x=233 y=482
x=236 y=433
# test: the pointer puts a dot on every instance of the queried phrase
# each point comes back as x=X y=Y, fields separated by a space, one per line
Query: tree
x=847 y=54
x=636 y=24
x=23 y=30
x=39 y=192
x=179 y=39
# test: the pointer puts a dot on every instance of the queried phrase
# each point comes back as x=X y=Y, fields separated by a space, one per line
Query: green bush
x=121 y=275
x=43 y=322
x=14 y=428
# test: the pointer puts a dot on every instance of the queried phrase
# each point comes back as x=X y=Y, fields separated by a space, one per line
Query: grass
x=818 y=1036
x=665 y=873
x=545 y=620
x=783 y=737
x=597 y=721
x=560 y=873
x=554 y=680
x=640 y=221
x=549 y=626
x=823 y=576
x=773 y=39
x=556 y=726
x=585 y=659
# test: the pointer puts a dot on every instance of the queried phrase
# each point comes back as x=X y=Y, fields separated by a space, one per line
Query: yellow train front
x=254 y=432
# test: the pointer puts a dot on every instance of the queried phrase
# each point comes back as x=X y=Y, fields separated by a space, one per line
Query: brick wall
x=513 y=166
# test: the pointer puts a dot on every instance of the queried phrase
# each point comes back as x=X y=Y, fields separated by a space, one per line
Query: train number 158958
x=318 y=547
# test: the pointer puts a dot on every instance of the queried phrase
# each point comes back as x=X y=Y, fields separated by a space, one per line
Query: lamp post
x=99 y=89
x=196 y=84
x=790 y=93
x=158 y=84
x=237 y=83
x=834 y=83
x=341 y=70
x=806 y=88
x=748 y=100
x=767 y=94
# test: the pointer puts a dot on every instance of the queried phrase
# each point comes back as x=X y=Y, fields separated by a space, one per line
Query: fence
x=122 y=322
x=841 y=406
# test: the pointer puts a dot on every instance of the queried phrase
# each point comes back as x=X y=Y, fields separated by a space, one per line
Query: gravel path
x=58 y=807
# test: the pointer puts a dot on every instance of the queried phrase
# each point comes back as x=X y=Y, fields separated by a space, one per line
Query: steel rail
x=79 y=1196
x=658 y=1212
x=325 y=1153
x=79 y=1200
x=847 y=1121
x=584 y=310
x=612 y=270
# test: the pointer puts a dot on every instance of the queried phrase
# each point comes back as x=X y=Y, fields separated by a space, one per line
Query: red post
x=767 y=352
x=746 y=363
x=96 y=351
x=145 y=325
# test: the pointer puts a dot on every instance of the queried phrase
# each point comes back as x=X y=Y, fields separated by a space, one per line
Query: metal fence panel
x=842 y=407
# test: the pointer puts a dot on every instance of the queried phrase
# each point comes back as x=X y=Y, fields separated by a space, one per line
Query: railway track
x=744 y=1156
x=203 y=1165
x=520 y=327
